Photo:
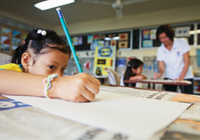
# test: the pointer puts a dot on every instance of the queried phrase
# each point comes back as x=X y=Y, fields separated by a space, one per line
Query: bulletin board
x=11 y=38
x=149 y=40
x=105 y=58
x=90 y=41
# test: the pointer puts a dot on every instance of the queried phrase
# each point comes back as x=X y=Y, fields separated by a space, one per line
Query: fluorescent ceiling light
x=115 y=38
x=47 y=4
x=107 y=38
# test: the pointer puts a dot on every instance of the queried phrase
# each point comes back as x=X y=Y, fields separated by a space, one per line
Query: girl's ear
x=133 y=70
x=25 y=61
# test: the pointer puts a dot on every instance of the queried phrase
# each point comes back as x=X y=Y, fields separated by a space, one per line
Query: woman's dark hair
x=133 y=63
x=165 y=29
x=37 y=42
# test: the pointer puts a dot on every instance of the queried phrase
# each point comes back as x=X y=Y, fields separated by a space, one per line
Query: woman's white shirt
x=174 y=61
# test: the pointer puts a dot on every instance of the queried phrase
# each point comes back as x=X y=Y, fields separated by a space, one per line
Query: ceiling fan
x=117 y=5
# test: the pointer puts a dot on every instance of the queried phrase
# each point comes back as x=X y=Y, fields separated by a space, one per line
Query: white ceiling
x=24 y=10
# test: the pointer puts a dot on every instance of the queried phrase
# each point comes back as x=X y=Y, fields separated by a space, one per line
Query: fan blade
x=128 y=2
x=98 y=2
x=119 y=13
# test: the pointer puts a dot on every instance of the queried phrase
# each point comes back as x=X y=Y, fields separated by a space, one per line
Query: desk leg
x=102 y=81
x=149 y=86
x=154 y=86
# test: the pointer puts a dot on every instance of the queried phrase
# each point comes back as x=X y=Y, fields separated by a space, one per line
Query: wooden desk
x=164 y=82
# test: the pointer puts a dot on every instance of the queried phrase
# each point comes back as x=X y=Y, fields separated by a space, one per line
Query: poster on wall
x=147 y=43
x=6 y=31
x=16 y=34
x=100 y=43
x=16 y=41
x=105 y=58
x=5 y=40
x=123 y=36
x=146 y=34
x=153 y=34
x=182 y=31
x=75 y=41
x=89 y=39
x=106 y=43
x=5 y=47
x=122 y=44
x=95 y=37
x=113 y=43
x=80 y=40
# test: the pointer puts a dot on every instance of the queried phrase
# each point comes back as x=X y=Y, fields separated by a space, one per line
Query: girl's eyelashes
x=51 y=67
x=63 y=69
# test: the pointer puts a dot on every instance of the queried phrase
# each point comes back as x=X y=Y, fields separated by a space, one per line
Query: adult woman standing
x=173 y=58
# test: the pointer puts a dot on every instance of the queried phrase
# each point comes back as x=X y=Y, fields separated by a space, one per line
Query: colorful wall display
x=16 y=34
x=80 y=40
x=5 y=40
x=11 y=38
x=146 y=34
x=104 y=58
x=153 y=34
x=123 y=36
x=5 y=47
x=149 y=38
x=147 y=43
x=75 y=41
x=6 y=31
x=123 y=44
x=89 y=39
x=16 y=41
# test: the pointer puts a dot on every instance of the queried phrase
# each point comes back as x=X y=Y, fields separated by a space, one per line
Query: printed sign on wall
x=104 y=59
x=182 y=31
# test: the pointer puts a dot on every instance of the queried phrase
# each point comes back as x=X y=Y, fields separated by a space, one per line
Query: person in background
x=173 y=58
x=37 y=69
x=133 y=72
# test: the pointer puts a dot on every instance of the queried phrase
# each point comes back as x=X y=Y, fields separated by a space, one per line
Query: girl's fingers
x=94 y=80
x=79 y=98
x=88 y=95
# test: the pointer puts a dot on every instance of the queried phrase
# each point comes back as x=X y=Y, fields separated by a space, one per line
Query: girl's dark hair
x=133 y=63
x=165 y=29
x=37 y=42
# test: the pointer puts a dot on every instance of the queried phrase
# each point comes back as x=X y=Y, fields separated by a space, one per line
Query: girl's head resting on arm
x=43 y=53
x=133 y=68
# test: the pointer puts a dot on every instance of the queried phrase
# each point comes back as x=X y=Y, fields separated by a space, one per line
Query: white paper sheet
x=137 y=117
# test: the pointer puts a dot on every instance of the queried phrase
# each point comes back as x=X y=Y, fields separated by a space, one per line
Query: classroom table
x=164 y=82
x=22 y=121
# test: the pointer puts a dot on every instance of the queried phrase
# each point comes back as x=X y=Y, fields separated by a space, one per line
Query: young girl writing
x=37 y=69
x=133 y=71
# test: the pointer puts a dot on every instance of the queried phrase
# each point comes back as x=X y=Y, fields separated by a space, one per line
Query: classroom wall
x=178 y=15
x=172 y=16
x=139 y=53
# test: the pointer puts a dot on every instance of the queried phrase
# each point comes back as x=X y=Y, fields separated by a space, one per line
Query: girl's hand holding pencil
x=77 y=88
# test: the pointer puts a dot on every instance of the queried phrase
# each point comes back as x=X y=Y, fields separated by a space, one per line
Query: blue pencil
x=62 y=20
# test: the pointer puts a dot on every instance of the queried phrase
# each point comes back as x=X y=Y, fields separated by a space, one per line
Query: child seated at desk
x=133 y=72
x=37 y=69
